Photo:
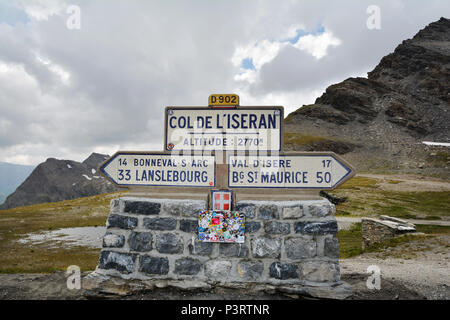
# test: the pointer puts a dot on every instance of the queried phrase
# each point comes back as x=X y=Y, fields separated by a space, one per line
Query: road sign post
x=223 y=164
x=226 y=146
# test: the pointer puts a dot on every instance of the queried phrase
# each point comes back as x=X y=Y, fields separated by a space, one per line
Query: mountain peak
x=57 y=180
x=95 y=159
x=437 y=30
x=385 y=117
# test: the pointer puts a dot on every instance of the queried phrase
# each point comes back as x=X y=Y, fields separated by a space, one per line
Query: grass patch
x=300 y=140
x=16 y=223
x=358 y=183
x=18 y=258
x=432 y=229
x=381 y=246
x=366 y=198
x=350 y=241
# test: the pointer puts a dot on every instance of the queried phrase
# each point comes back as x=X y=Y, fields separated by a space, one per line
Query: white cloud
x=317 y=45
x=248 y=75
x=264 y=52
x=42 y=9
x=66 y=93
x=63 y=75
x=260 y=52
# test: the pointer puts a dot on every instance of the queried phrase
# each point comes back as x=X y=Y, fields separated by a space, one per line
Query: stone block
x=252 y=226
x=300 y=247
x=141 y=207
x=318 y=271
x=295 y=212
x=111 y=240
x=218 y=269
x=331 y=248
x=316 y=228
x=250 y=270
x=320 y=210
x=248 y=209
x=160 y=223
x=187 y=266
x=190 y=226
x=375 y=230
x=153 y=265
x=191 y=208
x=122 y=222
x=140 y=241
x=233 y=249
x=122 y=262
x=268 y=211
x=266 y=248
x=200 y=248
x=114 y=206
x=275 y=227
x=169 y=243
x=283 y=271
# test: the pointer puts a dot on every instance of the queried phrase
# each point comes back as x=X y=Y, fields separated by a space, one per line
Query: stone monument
x=222 y=206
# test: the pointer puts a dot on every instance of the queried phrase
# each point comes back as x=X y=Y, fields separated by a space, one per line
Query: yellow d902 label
x=223 y=100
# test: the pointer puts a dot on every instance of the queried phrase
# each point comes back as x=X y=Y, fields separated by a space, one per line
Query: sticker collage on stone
x=221 y=226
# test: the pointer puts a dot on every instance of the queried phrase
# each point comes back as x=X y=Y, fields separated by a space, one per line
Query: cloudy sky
x=67 y=91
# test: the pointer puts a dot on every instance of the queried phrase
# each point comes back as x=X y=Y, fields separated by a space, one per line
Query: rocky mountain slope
x=11 y=176
x=380 y=122
x=56 y=180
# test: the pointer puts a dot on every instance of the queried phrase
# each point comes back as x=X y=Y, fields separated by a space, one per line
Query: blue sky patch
x=11 y=14
x=247 y=64
x=301 y=33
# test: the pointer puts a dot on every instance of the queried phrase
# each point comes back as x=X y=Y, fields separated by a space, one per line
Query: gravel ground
x=345 y=223
x=421 y=266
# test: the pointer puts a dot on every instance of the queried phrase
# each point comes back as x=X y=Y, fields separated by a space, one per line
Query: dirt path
x=421 y=265
x=346 y=222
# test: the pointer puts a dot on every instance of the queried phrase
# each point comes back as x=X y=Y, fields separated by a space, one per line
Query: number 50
x=321 y=177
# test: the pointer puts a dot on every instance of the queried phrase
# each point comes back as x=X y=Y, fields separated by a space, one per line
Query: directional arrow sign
x=293 y=171
x=159 y=169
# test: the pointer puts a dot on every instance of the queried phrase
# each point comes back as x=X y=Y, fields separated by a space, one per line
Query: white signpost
x=211 y=129
x=158 y=169
x=255 y=164
x=299 y=171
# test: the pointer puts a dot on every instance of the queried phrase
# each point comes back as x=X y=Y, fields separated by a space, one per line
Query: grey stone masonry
x=316 y=227
x=283 y=271
x=275 y=227
x=140 y=241
x=385 y=228
x=187 y=266
x=141 y=207
x=153 y=265
x=188 y=225
x=122 y=262
x=122 y=222
x=111 y=240
x=287 y=243
x=160 y=223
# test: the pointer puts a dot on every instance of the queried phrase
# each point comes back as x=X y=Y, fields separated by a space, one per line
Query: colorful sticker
x=221 y=226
